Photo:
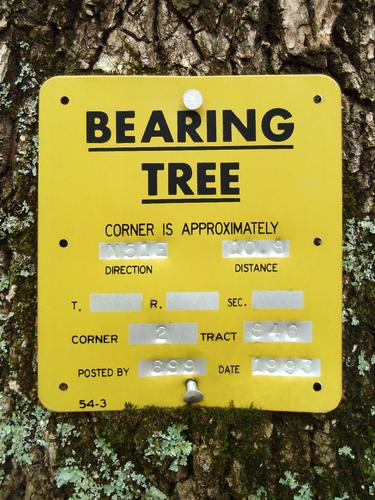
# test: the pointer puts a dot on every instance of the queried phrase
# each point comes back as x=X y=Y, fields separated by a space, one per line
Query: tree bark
x=229 y=453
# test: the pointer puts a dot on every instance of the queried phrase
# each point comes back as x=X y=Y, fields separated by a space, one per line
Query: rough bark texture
x=228 y=453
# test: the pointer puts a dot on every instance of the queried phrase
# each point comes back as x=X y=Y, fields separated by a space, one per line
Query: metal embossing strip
x=133 y=250
x=277 y=299
x=170 y=367
x=163 y=333
x=234 y=249
x=286 y=367
x=192 y=301
x=114 y=302
x=278 y=331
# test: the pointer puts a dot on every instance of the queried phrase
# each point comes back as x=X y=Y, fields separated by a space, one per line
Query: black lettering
x=226 y=178
x=210 y=228
x=152 y=170
x=122 y=371
x=203 y=178
x=181 y=181
x=211 y=126
x=122 y=126
x=96 y=121
x=286 y=128
x=184 y=128
x=247 y=131
x=168 y=229
x=228 y=335
x=229 y=369
x=157 y=119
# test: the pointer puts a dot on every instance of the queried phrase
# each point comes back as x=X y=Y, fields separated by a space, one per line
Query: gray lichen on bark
x=236 y=453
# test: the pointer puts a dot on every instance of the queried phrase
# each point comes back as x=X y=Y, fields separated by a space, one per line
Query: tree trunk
x=191 y=452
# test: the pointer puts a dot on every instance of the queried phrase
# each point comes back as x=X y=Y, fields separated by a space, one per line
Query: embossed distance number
x=286 y=367
x=255 y=248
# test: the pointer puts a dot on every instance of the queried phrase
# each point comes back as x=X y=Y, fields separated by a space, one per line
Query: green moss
x=302 y=492
x=5 y=97
x=104 y=473
x=359 y=251
x=22 y=430
x=168 y=446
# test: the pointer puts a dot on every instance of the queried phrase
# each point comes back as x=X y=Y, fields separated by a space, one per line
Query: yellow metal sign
x=190 y=242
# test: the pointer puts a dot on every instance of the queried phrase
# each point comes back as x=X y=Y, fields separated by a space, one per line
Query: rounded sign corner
x=50 y=82
x=47 y=404
x=331 y=82
x=333 y=404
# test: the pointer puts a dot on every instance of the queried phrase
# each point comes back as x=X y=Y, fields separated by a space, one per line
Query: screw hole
x=63 y=243
x=64 y=100
x=317 y=386
x=318 y=242
x=63 y=386
x=318 y=99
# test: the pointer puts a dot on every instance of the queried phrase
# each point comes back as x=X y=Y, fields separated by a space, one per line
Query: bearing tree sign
x=190 y=242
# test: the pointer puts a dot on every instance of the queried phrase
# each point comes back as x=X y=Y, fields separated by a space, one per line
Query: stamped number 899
x=171 y=366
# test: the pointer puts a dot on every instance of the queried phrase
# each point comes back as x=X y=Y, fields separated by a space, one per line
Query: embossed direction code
x=197 y=256
x=133 y=250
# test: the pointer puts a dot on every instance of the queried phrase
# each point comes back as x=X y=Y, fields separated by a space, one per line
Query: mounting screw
x=192 y=99
x=192 y=394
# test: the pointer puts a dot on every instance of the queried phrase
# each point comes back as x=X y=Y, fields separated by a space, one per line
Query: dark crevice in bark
x=311 y=10
x=354 y=95
x=231 y=58
x=118 y=20
x=270 y=21
x=163 y=61
x=221 y=14
x=269 y=29
x=134 y=37
x=344 y=26
x=185 y=22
